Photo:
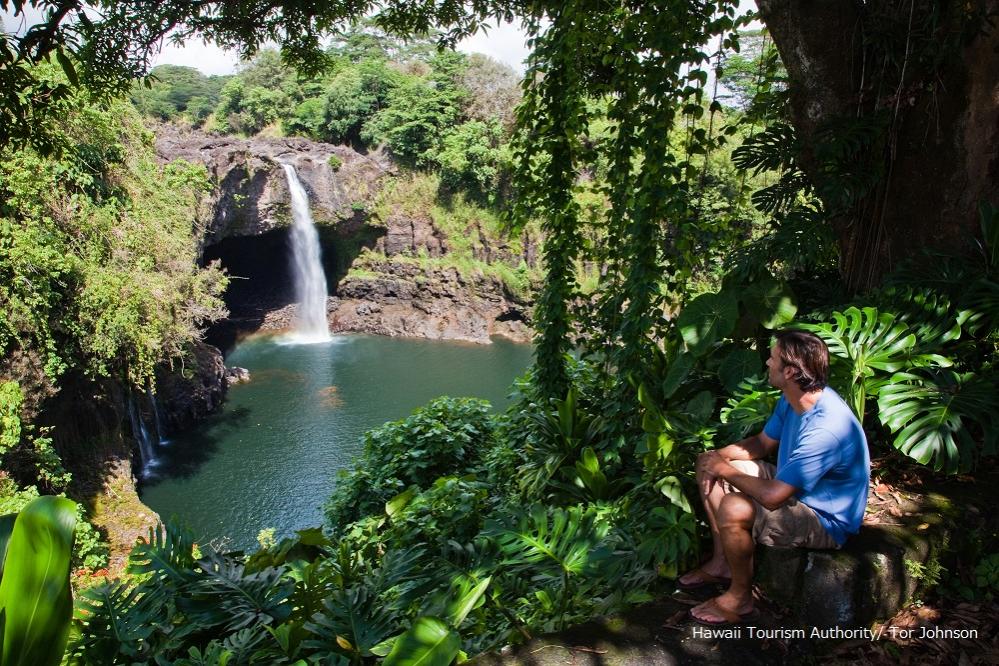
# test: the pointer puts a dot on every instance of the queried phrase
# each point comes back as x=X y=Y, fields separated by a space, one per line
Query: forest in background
x=547 y=521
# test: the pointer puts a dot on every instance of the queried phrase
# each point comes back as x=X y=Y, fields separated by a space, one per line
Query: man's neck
x=801 y=401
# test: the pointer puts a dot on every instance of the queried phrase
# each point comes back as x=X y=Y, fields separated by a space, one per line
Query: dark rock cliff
x=252 y=196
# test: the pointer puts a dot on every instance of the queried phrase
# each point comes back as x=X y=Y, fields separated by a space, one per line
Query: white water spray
x=310 y=281
x=155 y=409
x=147 y=452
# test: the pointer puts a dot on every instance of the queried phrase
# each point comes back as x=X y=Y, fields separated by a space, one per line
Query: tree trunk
x=940 y=155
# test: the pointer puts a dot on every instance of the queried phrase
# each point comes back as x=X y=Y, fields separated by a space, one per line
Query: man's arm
x=756 y=447
x=771 y=493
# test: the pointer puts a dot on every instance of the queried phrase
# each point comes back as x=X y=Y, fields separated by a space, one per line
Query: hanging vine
x=649 y=62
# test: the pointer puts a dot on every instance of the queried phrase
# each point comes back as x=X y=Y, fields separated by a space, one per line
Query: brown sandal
x=705 y=579
x=729 y=618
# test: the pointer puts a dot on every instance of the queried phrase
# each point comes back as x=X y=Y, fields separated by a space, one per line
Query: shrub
x=447 y=436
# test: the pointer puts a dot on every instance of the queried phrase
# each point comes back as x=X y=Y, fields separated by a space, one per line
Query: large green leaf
x=227 y=594
x=771 y=303
x=35 y=597
x=168 y=554
x=6 y=529
x=115 y=621
x=429 y=642
x=571 y=543
x=749 y=408
x=469 y=595
x=737 y=366
x=930 y=414
x=678 y=371
x=701 y=406
x=353 y=621
x=707 y=319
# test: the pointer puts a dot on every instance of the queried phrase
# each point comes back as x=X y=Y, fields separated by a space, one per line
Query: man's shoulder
x=836 y=417
x=832 y=405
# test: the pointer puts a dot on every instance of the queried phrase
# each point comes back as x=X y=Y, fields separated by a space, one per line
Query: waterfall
x=147 y=454
x=310 y=281
x=155 y=408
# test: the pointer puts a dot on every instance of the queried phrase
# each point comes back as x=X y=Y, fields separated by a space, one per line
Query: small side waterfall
x=147 y=452
x=154 y=407
x=310 y=281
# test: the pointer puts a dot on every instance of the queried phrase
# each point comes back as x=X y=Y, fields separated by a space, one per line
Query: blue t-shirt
x=823 y=453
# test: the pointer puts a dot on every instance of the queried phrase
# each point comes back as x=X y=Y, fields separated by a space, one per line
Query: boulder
x=188 y=393
x=877 y=572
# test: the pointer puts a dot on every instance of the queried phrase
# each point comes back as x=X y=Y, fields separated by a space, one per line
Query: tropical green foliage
x=99 y=283
x=173 y=91
x=432 y=110
x=460 y=530
x=35 y=597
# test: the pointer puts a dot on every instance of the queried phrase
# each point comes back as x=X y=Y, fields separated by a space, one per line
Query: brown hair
x=807 y=354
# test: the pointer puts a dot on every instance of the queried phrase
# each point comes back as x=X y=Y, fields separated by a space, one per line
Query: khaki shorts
x=792 y=525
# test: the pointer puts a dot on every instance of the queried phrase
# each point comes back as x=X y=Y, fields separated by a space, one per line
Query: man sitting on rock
x=814 y=497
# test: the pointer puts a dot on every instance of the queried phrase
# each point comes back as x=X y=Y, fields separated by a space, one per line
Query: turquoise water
x=270 y=457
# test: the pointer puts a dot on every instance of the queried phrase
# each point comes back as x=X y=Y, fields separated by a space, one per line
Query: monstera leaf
x=352 y=622
x=168 y=555
x=706 y=320
x=867 y=341
x=115 y=621
x=930 y=414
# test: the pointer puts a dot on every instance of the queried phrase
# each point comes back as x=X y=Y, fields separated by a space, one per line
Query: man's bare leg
x=716 y=565
x=735 y=525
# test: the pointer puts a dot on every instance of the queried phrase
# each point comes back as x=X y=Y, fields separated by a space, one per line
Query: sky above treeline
x=505 y=42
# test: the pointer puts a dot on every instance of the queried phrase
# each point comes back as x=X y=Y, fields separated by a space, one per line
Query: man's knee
x=736 y=509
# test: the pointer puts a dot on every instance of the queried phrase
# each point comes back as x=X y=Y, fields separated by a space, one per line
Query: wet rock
x=395 y=297
x=236 y=375
x=188 y=393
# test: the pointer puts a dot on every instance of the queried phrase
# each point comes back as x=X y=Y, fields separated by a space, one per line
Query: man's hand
x=709 y=465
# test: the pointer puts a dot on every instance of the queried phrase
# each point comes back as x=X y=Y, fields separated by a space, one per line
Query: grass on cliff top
x=519 y=281
x=467 y=227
